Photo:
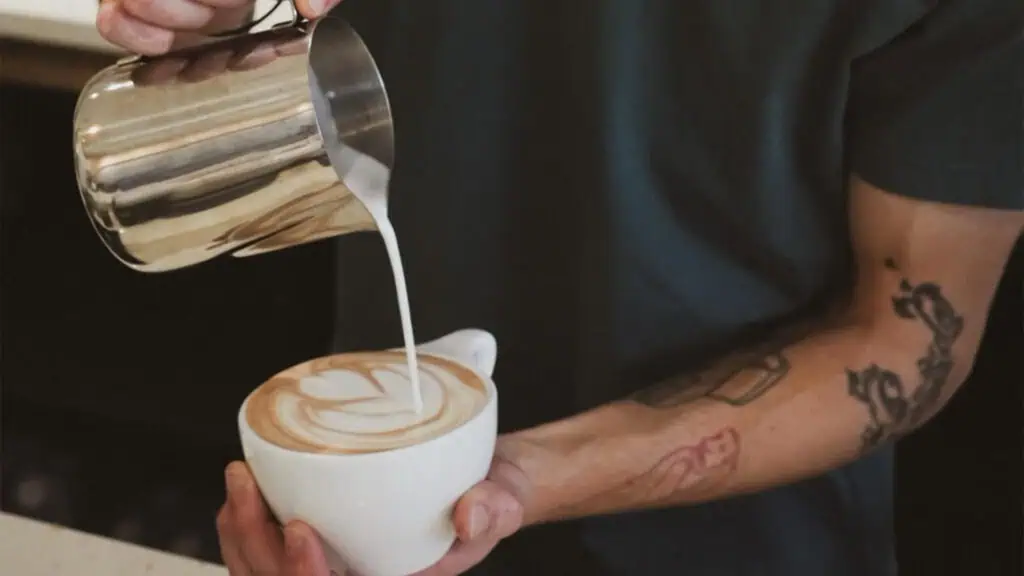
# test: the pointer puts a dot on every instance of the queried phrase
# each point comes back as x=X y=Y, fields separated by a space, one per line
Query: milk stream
x=376 y=204
x=368 y=180
x=387 y=232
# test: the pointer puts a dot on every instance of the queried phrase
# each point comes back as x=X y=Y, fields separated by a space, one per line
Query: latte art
x=363 y=402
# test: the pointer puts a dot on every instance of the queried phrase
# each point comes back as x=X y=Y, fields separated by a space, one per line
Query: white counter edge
x=63 y=33
x=33 y=548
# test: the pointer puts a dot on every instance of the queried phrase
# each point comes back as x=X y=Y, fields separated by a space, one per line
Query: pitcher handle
x=296 y=20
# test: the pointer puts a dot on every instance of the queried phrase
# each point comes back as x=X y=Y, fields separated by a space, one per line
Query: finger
x=487 y=512
x=305 y=555
x=170 y=14
x=260 y=540
x=229 y=547
x=206 y=66
x=252 y=58
x=315 y=8
x=225 y=4
x=126 y=31
x=158 y=72
x=292 y=47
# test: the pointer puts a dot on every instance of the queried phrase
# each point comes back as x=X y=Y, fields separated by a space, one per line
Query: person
x=731 y=251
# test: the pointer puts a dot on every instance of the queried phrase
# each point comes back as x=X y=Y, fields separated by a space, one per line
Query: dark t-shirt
x=619 y=188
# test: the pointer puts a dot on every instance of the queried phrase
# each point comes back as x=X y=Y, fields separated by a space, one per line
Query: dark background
x=120 y=389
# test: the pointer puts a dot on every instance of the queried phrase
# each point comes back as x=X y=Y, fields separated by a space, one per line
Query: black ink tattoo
x=893 y=409
x=882 y=391
x=736 y=380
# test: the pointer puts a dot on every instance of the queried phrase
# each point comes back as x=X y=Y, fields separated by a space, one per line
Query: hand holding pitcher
x=153 y=27
x=241 y=145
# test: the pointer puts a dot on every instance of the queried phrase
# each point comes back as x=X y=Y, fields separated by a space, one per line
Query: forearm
x=807 y=407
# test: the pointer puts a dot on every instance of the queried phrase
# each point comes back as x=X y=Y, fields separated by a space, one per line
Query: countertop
x=32 y=548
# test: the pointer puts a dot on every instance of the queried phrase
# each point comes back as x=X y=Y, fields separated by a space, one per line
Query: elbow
x=908 y=376
x=931 y=397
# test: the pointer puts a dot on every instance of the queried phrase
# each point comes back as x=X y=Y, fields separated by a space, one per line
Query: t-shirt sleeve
x=938 y=112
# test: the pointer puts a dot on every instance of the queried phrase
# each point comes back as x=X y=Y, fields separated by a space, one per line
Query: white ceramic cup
x=385 y=513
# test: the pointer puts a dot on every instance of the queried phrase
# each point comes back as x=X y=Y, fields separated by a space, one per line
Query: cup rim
x=492 y=398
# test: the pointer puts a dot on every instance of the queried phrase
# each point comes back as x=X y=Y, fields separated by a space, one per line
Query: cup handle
x=473 y=347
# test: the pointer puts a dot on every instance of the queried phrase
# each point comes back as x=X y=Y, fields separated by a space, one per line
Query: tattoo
x=892 y=408
x=690 y=468
x=883 y=392
x=713 y=457
x=736 y=380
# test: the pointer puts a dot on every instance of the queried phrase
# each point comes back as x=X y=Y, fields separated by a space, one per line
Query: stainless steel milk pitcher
x=249 y=144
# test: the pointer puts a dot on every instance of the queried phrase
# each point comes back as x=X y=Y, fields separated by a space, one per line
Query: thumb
x=313 y=9
x=489 y=511
x=303 y=552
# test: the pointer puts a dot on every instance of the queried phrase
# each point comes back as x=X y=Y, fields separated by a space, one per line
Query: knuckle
x=141 y=8
x=224 y=519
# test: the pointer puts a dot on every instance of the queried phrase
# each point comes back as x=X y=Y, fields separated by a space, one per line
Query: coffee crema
x=363 y=402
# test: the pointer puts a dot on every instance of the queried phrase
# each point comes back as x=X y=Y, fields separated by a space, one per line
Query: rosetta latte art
x=362 y=402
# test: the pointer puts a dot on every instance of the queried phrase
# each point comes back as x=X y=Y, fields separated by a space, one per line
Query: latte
x=362 y=402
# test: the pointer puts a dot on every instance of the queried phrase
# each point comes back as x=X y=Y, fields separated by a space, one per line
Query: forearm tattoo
x=893 y=408
x=689 y=468
x=737 y=379
x=692 y=469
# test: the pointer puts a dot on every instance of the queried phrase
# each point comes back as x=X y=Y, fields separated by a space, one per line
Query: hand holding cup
x=254 y=544
x=363 y=483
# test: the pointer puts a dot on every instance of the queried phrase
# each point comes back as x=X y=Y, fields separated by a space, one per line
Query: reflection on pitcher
x=323 y=213
x=246 y=145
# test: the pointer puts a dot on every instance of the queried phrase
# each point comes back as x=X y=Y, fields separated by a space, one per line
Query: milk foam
x=354 y=403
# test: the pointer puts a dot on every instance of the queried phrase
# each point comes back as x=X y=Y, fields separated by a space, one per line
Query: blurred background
x=119 y=389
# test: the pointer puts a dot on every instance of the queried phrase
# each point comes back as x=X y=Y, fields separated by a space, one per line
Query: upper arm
x=926 y=276
x=927 y=271
x=935 y=140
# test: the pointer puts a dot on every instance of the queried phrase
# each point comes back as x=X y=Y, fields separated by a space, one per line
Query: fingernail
x=293 y=542
x=479 y=521
x=318 y=7
x=103 y=16
x=236 y=483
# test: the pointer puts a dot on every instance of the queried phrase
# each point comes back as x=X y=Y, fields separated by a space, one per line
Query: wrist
x=564 y=463
x=518 y=462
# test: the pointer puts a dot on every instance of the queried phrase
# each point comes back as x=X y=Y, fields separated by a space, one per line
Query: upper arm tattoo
x=892 y=407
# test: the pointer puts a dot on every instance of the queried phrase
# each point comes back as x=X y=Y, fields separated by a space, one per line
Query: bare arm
x=816 y=399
